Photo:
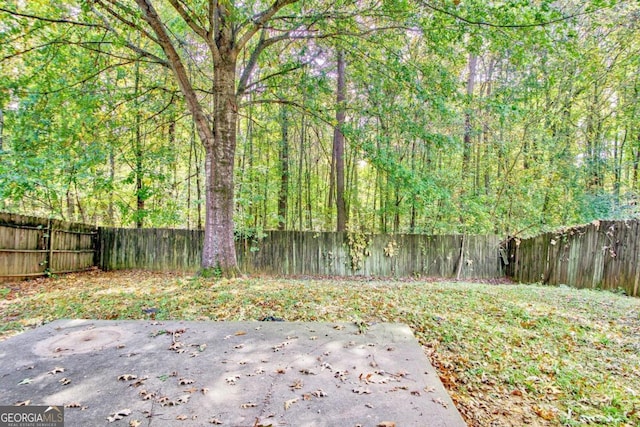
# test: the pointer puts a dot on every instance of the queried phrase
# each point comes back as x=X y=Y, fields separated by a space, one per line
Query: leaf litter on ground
x=508 y=354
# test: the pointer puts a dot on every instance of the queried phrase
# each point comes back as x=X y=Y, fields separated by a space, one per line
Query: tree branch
x=189 y=19
x=259 y=20
x=124 y=20
x=151 y=17
x=279 y=73
x=130 y=45
x=52 y=20
x=494 y=25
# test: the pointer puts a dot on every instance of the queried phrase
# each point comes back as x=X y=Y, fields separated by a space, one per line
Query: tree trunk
x=1 y=129
x=466 y=150
x=338 y=145
x=284 y=170
x=140 y=196
x=218 y=254
x=112 y=178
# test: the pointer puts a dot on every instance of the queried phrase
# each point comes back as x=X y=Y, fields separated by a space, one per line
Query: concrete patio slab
x=243 y=374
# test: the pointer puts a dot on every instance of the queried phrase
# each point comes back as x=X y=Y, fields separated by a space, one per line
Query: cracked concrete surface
x=243 y=374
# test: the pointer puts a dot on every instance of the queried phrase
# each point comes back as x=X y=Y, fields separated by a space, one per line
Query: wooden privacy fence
x=604 y=254
x=601 y=255
x=31 y=246
x=150 y=249
x=310 y=253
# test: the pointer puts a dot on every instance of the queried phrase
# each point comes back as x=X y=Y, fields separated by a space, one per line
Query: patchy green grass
x=508 y=354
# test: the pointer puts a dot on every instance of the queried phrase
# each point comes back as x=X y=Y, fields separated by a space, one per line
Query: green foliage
x=95 y=132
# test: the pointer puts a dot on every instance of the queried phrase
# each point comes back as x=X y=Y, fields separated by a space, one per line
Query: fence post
x=49 y=258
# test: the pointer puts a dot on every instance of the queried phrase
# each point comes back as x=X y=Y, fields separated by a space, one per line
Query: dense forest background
x=506 y=117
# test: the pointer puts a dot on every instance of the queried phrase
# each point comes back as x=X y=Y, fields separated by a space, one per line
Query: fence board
x=306 y=253
x=600 y=255
x=31 y=246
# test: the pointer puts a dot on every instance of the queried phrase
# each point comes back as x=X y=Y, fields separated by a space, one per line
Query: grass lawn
x=510 y=355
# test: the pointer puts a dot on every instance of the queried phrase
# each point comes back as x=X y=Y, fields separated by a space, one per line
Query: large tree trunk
x=218 y=254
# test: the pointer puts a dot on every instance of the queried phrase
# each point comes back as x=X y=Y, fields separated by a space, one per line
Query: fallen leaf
x=215 y=421
x=297 y=384
x=127 y=377
x=232 y=380
x=25 y=381
x=248 y=405
x=23 y=403
x=327 y=366
x=415 y=393
x=182 y=417
x=290 y=402
x=361 y=390
x=319 y=393
x=72 y=405
x=146 y=395
x=365 y=378
x=56 y=370
x=240 y=333
x=176 y=346
x=185 y=381
x=204 y=390
x=65 y=381
x=543 y=413
x=386 y=424
x=119 y=415
x=139 y=382
x=439 y=402
x=134 y=423
x=183 y=399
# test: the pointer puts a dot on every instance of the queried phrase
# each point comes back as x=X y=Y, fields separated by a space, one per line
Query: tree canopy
x=457 y=116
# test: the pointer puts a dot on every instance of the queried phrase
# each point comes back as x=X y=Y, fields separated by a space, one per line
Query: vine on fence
x=358 y=244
